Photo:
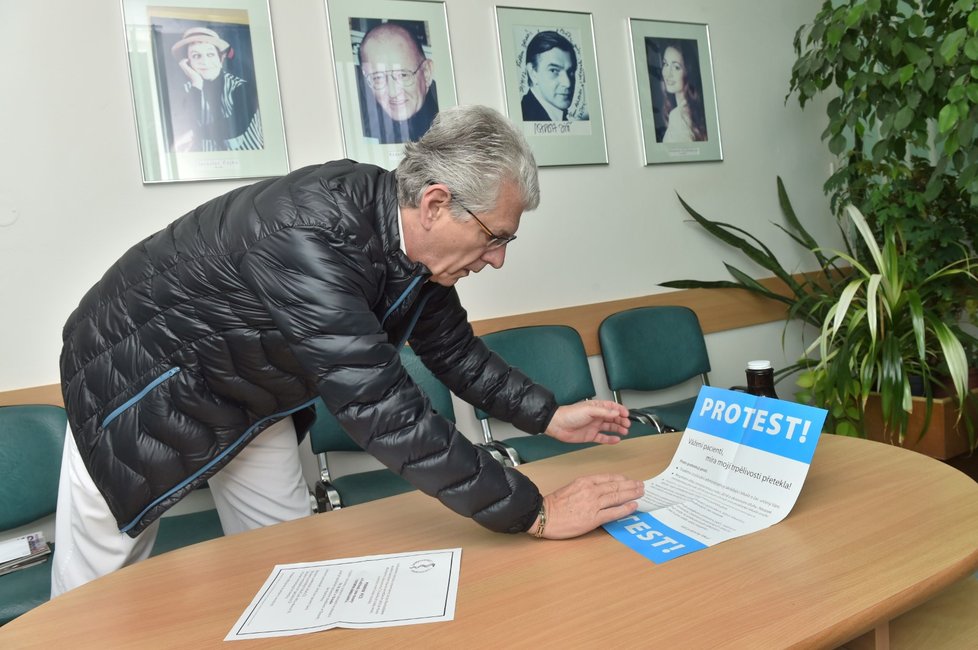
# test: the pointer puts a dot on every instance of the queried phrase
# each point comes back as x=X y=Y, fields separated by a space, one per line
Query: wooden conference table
x=876 y=531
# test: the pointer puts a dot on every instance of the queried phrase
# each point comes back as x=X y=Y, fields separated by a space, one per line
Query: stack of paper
x=22 y=552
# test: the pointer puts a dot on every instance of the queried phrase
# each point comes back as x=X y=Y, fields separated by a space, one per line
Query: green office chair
x=326 y=435
x=654 y=348
x=32 y=440
x=551 y=355
x=31 y=443
x=177 y=531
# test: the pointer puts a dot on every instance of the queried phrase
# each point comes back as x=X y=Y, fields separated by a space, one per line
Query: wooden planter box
x=943 y=438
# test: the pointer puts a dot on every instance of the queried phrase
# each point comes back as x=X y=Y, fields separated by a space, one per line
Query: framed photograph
x=550 y=78
x=394 y=71
x=204 y=89
x=676 y=95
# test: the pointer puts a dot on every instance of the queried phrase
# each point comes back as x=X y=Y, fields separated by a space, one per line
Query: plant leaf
x=952 y=43
x=845 y=299
x=789 y=214
x=700 y=284
x=871 y=296
x=903 y=118
x=915 y=54
x=906 y=73
x=917 y=323
x=971 y=48
x=947 y=118
x=867 y=235
x=954 y=356
x=759 y=254
x=837 y=144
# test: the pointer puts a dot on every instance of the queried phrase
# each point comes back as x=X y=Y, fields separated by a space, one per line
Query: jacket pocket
x=132 y=401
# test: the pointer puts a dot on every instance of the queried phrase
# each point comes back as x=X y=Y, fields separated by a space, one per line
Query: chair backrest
x=652 y=348
x=551 y=355
x=326 y=434
x=32 y=440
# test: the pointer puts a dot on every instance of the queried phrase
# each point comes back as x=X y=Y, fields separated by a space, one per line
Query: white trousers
x=262 y=485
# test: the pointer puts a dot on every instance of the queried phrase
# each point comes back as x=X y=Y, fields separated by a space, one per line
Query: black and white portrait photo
x=211 y=99
x=396 y=85
x=552 y=80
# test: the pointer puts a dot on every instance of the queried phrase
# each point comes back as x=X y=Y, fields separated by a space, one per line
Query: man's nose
x=495 y=257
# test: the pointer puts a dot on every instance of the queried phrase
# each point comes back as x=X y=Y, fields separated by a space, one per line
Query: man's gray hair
x=473 y=150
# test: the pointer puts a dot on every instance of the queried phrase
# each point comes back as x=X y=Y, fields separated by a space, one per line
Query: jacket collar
x=399 y=265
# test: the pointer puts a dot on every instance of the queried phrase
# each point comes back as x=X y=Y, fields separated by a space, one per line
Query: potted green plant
x=902 y=83
x=875 y=327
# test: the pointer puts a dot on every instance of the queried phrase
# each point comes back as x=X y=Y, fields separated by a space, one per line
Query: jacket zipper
x=138 y=396
x=214 y=461
x=401 y=298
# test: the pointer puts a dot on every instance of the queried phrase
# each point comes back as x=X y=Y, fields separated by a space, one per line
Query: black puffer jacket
x=250 y=307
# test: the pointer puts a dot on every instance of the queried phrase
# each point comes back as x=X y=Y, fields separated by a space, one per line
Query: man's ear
x=435 y=203
x=428 y=67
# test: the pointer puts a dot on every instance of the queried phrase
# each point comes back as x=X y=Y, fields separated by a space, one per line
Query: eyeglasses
x=495 y=241
x=403 y=78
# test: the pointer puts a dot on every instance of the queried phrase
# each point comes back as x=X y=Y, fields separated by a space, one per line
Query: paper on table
x=364 y=592
x=739 y=468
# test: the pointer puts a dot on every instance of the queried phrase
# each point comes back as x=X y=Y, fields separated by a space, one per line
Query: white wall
x=72 y=200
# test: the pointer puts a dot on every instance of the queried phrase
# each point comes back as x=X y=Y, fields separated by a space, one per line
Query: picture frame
x=394 y=72
x=559 y=113
x=676 y=93
x=205 y=89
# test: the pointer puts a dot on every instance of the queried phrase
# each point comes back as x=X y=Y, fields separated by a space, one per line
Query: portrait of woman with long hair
x=674 y=75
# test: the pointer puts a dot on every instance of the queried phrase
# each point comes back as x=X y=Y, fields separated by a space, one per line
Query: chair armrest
x=503 y=453
x=327 y=498
x=651 y=419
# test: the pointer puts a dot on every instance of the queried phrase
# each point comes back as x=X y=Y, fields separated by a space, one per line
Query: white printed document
x=362 y=592
x=739 y=468
x=23 y=552
x=14 y=549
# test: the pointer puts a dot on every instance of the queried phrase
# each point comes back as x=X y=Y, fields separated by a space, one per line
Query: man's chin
x=449 y=279
x=445 y=280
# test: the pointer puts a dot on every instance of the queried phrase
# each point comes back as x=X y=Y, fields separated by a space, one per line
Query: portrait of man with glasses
x=398 y=98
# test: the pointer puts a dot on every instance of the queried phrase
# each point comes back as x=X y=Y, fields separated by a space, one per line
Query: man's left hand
x=598 y=421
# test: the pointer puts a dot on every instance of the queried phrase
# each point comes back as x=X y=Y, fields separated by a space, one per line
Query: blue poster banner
x=738 y=469
x=644 y=534
x=784 y=428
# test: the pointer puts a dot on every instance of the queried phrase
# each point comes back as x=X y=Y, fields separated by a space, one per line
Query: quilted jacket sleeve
x=444 y=339
x=318 y=292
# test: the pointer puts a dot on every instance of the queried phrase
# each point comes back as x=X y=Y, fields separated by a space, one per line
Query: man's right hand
x=586 y=503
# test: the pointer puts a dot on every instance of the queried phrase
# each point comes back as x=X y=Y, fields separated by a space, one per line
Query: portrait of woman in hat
x=219 y=109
